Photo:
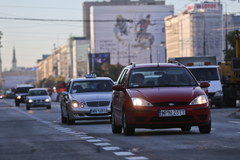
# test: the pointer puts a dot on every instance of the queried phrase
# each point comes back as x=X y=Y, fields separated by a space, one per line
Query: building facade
x=78 y=52
x=196 y=32
x=87 y=5
x=134 y=33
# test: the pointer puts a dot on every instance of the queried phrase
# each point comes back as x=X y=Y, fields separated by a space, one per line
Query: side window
x=68 y=86
x=122 y=77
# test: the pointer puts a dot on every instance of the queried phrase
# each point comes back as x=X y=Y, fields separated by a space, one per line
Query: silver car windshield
x=92 y=86
x=37 y=93
x=161 y=76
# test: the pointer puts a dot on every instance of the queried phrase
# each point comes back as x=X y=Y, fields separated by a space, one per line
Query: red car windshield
x=161 y=76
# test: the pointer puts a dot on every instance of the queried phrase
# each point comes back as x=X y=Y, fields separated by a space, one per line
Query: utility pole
x=1 y=79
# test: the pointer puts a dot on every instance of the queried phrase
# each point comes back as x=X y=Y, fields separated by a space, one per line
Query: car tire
x=17 y=104
x=205 y=128
x=63 y=119
x=186 y=128
x=115 y=129
x=27 y=108
x=127 y=131
x=70 y=121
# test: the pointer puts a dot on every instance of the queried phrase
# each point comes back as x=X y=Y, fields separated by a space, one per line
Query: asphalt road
x=38 y=134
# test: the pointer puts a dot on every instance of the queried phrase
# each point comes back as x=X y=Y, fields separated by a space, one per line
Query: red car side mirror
x=204 y=84
x=117 y=87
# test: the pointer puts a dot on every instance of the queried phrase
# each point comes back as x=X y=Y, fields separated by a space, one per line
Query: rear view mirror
x=204 y=84
x=117 y=87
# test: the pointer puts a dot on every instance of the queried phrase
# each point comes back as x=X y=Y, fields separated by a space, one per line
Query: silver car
x=86 y=98
x=38 y=97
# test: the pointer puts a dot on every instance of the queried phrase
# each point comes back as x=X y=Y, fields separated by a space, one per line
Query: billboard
x=129 y=33
x=205 y=6
x=97 y=62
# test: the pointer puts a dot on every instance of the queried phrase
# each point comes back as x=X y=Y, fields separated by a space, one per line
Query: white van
x=211 y=74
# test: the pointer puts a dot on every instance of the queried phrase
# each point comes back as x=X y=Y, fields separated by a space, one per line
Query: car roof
x=149 y=65
x=32 y=89
x=24 y=85
x=91 y=79
x=209 y=66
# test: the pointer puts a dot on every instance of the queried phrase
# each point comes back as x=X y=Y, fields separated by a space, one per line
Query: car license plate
x=99 y=111
x=172 y=113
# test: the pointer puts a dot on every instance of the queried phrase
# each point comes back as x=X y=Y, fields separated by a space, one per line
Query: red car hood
x=166 y=94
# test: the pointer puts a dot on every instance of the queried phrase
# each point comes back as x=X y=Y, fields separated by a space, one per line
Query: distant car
x=86 y=98
x=21 y=93
x=159 y=96
x=38 y=97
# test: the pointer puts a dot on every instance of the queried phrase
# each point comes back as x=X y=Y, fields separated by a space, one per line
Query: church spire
x=14 y=60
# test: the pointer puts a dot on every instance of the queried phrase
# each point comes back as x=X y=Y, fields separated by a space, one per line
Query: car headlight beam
x=47 y=100
x=199 y=100
x=30 y=101
x=18 y=97
x=140 y=102
x=76 y=104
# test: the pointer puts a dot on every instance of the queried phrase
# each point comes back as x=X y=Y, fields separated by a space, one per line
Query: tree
x=230 y=52
x=114 y=71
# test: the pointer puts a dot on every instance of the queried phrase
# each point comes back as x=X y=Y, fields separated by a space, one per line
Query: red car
x=159 y=96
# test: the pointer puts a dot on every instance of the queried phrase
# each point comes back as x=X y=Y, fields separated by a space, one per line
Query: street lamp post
x=150 y=50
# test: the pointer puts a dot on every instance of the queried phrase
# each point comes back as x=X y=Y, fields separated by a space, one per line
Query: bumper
x=149 y=118
x=38 y=104
x=87 y=113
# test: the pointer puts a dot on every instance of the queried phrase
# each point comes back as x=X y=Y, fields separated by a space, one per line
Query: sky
x=32 y=39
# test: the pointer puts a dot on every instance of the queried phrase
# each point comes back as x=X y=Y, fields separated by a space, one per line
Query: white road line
x=111 y=148
x=102 y=144
x=82 y=135
x=123 y=153
x=94 y=140
x=136 y=158
x=88 y=137
x=234 y=122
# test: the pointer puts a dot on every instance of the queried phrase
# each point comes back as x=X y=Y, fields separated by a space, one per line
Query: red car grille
x=171 y=104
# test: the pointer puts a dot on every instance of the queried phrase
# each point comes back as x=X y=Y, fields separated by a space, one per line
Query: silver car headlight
x=30 y=100
x=47 y=100
x=140 y=102
x=199 y=100
x=76 y=104
x=18 y=97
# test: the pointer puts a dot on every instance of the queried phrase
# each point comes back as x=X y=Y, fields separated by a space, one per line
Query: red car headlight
x=199 y=100
x=140 y=102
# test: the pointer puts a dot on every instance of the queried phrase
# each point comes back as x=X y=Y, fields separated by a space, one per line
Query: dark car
x=159 y=96
x=21 y=93
x=86 y=98
x=38 y=97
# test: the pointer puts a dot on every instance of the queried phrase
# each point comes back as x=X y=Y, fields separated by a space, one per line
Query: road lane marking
x=136 y=158
x=102 y=144
x=94 y=140
x=123 y=153
x=87 y=137
x=111 y=148
x=234 y=122
x=83 y=135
